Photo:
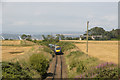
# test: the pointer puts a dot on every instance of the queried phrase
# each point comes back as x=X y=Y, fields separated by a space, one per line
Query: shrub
x=108 y=73
x=39 y=63
x=13 y=70
x=73 y=64
x=81 y=67
x=105 y=70
x=35 y=41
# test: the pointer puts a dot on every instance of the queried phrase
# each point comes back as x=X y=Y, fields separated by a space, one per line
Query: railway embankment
x=33 y=64
x=81 y=65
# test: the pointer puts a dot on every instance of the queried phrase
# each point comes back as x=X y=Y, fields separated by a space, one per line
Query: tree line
x=114 y=34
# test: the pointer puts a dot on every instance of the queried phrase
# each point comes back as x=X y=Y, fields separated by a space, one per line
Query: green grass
x=48 y=50
x=75 y=53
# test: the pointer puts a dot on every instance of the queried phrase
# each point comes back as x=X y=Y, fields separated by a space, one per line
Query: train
x=56 y=48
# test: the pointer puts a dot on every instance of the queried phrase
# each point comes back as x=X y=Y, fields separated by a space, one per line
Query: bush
x=39 y=63
x=73 y=64
x=13 y=70
x=104 y=70
x=29 y=39
x=35 y=41
x=81 y=67
x=108 y=73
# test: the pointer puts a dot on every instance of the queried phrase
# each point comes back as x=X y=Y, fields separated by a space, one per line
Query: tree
x=27 y=37
x=106 y=35
x=24 y=36
x=62 y=37
x=44 y=37
x=96 y=31
x=58 y=35
x=69 y=38
x=57 y=39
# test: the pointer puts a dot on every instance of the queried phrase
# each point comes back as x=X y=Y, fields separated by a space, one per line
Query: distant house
x=2 y=38
x=19 y=38
x=37 y=37
x=93 y=37
x=80 y=38
x=96 y=36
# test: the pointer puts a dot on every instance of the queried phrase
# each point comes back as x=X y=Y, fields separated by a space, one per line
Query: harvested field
x=8 y=42
x=11 y=52
x=19 y=50
x=104 y=50
x=16 y=43
x=12 y=49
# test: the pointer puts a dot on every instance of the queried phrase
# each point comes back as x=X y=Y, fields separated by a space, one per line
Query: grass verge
x=81 y=65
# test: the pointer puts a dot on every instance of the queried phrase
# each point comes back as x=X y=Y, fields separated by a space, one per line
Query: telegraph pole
x=87 y=36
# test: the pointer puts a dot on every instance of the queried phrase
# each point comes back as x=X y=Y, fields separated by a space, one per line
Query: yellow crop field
x=12 y=49
x=11 y=52
x=8 y=42
x=104 y=50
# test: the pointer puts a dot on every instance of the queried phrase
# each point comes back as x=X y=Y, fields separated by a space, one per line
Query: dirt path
x=57 y=68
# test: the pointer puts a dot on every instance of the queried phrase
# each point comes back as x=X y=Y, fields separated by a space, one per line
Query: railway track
x=58 y=68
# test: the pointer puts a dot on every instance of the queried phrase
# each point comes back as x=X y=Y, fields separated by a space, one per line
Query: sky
x=37 y=17
x=60 y=0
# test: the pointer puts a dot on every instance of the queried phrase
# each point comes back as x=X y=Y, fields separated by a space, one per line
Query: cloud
x=20 y=23
x=110 y=18
x=58 y=16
